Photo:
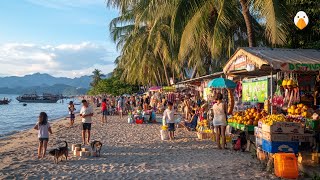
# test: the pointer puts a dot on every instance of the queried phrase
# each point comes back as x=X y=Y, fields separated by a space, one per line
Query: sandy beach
x=130 y=151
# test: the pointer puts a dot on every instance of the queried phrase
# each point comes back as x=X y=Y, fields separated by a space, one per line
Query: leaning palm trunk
x=247 y=19
x=165 y=71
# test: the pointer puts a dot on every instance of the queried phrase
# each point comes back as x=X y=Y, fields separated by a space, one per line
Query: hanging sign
x=255 y=90
x=241 y=63
x=300 y=67
x=207 y=93
x=168 y=88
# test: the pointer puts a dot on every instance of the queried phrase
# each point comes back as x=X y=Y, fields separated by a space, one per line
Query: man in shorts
x=86 y=114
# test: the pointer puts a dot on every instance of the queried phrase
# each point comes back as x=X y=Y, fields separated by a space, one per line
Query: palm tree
x=159 y=38
x=97 y=76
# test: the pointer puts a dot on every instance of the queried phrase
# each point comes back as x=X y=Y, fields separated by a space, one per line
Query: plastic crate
x=286 y=165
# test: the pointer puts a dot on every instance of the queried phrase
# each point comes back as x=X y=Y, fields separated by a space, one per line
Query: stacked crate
x=282 y=137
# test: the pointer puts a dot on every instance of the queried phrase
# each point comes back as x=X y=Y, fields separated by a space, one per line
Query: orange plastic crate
x=286 y=165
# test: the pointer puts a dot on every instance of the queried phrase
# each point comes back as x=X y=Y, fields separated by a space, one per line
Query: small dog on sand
x=59 y=152
x=96 y=146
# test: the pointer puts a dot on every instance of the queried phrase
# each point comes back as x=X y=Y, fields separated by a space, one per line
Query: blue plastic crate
x=276 y=147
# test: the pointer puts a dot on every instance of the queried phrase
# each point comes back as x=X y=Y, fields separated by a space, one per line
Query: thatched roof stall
x=256 y=61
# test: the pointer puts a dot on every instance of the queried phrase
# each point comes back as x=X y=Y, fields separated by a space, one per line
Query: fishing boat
x=5 y=101
x=34 y=98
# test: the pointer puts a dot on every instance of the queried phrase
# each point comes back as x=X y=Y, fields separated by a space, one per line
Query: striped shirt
x=171 y=97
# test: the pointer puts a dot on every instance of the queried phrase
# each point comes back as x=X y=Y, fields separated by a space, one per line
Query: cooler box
x=139 y=121
x=286 y=165
x=276 y=147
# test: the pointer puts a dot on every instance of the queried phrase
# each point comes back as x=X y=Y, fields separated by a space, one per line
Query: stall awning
x=246 y=58
x=199 y=79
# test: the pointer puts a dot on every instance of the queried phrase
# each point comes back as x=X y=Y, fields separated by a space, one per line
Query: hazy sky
x=59 y=37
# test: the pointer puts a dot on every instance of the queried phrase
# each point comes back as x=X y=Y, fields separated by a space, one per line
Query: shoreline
x=65 y=117
x=52 y=122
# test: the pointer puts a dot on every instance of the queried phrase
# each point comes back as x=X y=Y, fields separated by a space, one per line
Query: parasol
x=154 y=88
x=221 y=83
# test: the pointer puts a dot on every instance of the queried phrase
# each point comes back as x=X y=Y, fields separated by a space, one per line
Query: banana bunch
x=274 y=118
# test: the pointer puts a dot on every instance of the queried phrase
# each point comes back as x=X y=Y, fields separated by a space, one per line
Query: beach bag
x=164 y=135
x=237 y=145
x=130 y=119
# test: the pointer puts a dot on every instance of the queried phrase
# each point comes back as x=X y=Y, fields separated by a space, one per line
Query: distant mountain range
x=45 y=83
x=38 y=79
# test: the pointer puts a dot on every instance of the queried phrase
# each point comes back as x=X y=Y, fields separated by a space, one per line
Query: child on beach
x=44 y=129
x=72 y=109
x=168 y=116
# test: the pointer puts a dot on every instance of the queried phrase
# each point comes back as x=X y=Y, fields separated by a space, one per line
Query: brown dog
x=96 y=146
x=59 y=152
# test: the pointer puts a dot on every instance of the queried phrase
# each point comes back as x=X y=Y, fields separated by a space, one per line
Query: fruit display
x=269 y=120
x=202 y=125
x=248 y=117
x=231 y=101
x=295 y=118
x=299 y=109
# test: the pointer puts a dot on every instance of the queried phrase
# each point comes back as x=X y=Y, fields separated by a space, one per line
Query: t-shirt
x=71 y=109
x=168 y=115
x=103 y=106
x=43 y=130
x=86 y=111
x=120 y=103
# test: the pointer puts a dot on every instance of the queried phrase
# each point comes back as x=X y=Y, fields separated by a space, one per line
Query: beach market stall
x=292 y=80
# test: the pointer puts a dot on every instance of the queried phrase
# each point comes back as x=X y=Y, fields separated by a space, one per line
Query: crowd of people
x=192 y=108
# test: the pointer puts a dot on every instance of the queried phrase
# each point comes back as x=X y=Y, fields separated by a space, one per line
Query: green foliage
x=113 y=86
x=159 y=39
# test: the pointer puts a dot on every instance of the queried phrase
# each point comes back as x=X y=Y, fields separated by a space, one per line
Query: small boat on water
x=5 y=101
x=34 y=98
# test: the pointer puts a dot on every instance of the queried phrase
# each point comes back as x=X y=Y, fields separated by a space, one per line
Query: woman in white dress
x=219 y=120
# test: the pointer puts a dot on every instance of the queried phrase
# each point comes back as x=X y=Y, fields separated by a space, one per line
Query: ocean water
x=15 y=117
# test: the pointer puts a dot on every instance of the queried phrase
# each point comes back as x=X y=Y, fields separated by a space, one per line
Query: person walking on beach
x=219 y=120
x=72 y=109
x=44 y=129
x=121 y=105
x=168 y=116
x=86 y=114
x=104 y=110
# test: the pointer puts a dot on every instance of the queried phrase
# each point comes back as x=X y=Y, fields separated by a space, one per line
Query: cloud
x=68 y=60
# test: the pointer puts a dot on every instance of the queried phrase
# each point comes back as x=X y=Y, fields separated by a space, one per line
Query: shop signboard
x=168 y=88
x=255 y=90
x=241 y=63
x=207 y=93
x=300 y=67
